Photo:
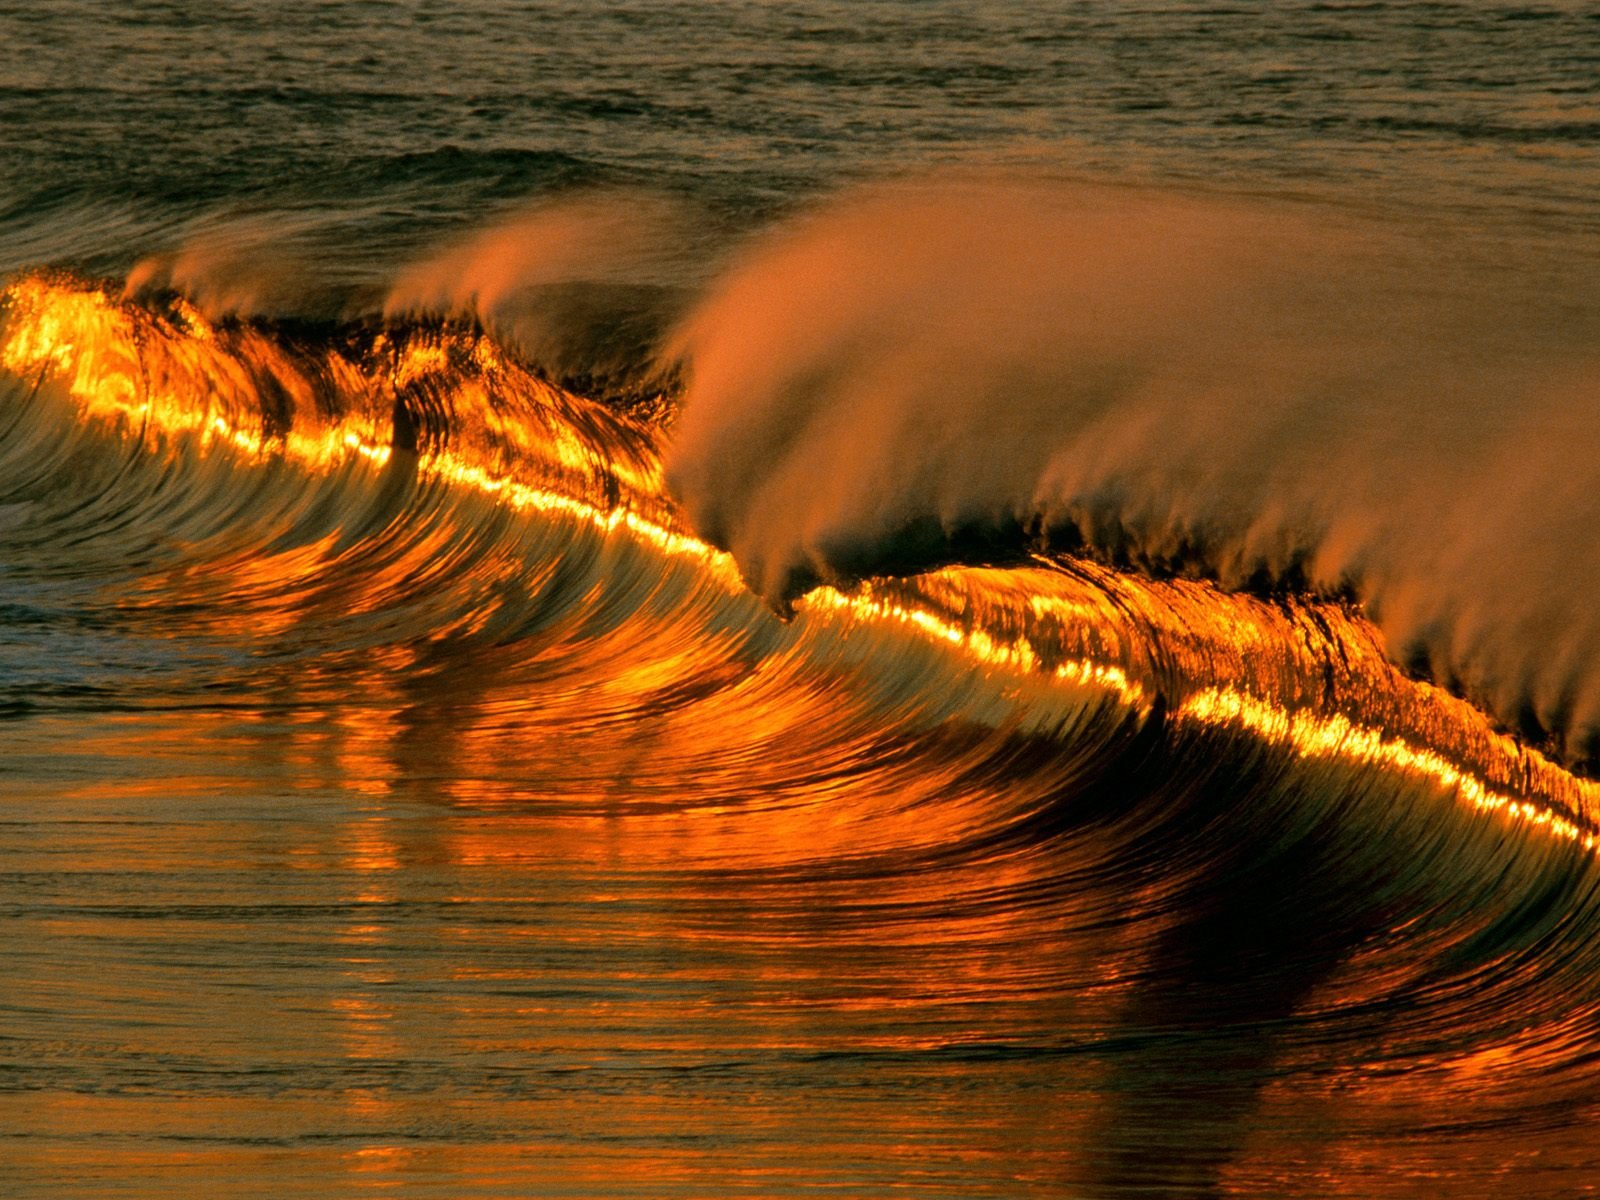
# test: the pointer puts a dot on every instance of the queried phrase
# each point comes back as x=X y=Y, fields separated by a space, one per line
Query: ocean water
x=726 y=599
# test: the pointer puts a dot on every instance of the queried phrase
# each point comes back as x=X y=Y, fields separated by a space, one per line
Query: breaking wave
x=1321 y=868
x=441 y=415
x=1262 y=393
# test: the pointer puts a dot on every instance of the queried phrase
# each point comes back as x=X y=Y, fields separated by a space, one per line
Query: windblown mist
x=1261 y=394
x=709 y=601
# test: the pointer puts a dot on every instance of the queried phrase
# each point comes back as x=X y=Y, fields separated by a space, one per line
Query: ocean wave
x=1265 y=394
x=444 y=409
x=1160 y=830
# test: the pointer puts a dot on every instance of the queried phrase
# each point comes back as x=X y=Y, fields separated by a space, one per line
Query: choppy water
x=1165 y=776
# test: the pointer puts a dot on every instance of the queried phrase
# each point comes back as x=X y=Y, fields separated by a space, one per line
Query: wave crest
x=1259 y=394
x=1029 y=646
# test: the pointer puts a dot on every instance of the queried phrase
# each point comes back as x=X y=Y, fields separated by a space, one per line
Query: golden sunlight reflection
x=1241 y=663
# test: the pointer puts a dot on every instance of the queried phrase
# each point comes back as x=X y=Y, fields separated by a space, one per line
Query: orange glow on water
x=1336 y=736
x=1240 y=663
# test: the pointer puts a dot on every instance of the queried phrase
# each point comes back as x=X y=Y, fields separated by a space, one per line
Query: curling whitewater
x=371 y=709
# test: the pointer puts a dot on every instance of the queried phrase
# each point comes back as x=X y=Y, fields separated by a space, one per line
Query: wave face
x=470 y=792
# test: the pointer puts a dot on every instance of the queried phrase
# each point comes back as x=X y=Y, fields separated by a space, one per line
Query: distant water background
x=393 y=122
x=423 y=809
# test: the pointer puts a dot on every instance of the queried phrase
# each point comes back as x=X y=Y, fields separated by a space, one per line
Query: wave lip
x=319 y=392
